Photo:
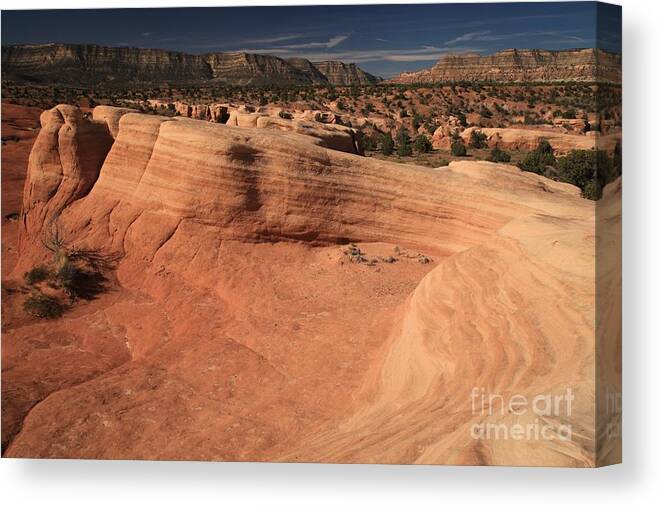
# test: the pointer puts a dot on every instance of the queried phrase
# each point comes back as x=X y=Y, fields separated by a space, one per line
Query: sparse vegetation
x=37 y=274
x=539 y=160
x=422 y=144
x=403 y=143
x=74 y=273
x=590 y=170
x=478 y=140
x=387 y=144
x=458 y=148
x=498 y=155
x=43 y=306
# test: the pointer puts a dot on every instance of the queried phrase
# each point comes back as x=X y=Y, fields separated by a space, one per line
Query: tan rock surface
x=250 y=336
x=528 y=139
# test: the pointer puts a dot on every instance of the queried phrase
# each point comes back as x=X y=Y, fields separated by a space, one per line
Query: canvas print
x=329 y=234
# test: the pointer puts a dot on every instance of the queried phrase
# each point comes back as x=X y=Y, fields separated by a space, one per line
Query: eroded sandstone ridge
x=238 y=329
x=91 y=64
x=521 y=65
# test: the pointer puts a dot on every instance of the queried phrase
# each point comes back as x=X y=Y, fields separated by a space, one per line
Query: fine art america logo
x=537 y=412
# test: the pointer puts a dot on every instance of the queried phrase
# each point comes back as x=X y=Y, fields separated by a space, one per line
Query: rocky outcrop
x=528 y=139
x=64 y=163
x=87 y=64
x=335 y=137
x=521 y=65
x=250 y=69
x=339 y=73
x=524 y=139
x=320 y=125
x=309 y=69
x=250 y=338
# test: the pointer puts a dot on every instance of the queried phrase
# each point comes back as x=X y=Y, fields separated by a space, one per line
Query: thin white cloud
x=278 y=38
x=330 y=43
x=420 y=54
x=488 y=36
x=468 y=37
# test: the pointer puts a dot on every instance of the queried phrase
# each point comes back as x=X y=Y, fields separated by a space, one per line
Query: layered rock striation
x=521 y=65
x=87 y=64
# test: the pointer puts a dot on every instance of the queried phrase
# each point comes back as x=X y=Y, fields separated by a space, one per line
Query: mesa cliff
x=239 y=329
x=88 y=64
x=521 y=65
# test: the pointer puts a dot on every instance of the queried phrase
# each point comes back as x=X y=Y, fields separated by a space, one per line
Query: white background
x=636 y=482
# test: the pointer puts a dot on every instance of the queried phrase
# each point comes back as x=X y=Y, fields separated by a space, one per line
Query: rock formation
x=339 y=73
x=522 y=139
x=521 y=65
x=237 y=330
x=78 y=64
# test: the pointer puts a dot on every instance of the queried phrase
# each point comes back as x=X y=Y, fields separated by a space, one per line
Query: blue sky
x=382 y=39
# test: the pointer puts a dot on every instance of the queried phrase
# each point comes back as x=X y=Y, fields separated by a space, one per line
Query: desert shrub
x=403 y=143
x=355 y=254
x=430 y=127
x=442 y=162
x=43 y=306
x=485 y=112
x=538 y=160
x=422 y=144
x=36 y=274
x=592 y=190
x=387 y=144
x=80 y=282
x=478 y=140
x=285 y=115
x=458 y=149
x=498 y=155
x=589 y=170
x=370 y=142
x=417 y=120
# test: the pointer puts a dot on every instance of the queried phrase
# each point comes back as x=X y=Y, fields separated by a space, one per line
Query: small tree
x=422 y=144
x=403 y=143
x=387 y=144
x=458 y=149
x=540 y=159
x=478 y=140
x=498 y=155
x=589 y=170
x=416 y=121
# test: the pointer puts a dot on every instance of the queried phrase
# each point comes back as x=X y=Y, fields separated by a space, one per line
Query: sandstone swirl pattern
x=249 y=340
